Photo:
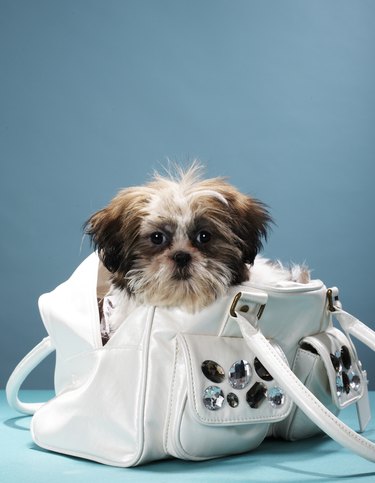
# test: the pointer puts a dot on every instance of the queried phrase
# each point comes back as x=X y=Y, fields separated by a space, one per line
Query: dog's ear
x=247 y=217
x=251 y=224
x=250 y=221
x=115 y=229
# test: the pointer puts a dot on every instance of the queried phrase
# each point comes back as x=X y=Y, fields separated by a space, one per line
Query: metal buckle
x=232 y=309
x=331 y=306
x=260 y=311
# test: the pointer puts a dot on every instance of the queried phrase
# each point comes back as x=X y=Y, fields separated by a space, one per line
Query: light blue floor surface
x=317 y=459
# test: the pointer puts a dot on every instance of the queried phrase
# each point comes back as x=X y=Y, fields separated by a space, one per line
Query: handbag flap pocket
x=228 y=385
x=346 y=378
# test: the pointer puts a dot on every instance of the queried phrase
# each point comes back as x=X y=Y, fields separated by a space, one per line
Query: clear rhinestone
x=213 y=398
x=213 y=371
x=276 y=397
x=355 y=381
x=339 y=385
x=232 y=400
x=256 y=394
x=261 y=370
x=240 y=374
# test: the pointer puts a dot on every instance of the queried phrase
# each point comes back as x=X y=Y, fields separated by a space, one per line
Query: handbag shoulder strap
x=352 y=326
x=296 y=390
x=20 y=373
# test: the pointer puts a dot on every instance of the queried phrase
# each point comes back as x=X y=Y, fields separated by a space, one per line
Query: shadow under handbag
x=262 y=361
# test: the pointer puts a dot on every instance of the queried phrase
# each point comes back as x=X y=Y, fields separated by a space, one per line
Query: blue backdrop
x=94 y=95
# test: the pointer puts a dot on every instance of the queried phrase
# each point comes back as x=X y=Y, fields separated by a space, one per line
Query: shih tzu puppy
x=182 y=241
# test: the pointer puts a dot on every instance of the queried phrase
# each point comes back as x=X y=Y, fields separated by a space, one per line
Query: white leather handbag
x=262 y=361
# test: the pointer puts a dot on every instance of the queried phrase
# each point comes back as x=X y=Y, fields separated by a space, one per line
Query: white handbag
x=263 y=361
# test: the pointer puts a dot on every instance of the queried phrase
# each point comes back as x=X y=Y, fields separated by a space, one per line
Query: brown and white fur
x=182 y=241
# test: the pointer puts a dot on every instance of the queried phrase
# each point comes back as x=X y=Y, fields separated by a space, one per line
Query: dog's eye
x=158 y=238
x=203 y=236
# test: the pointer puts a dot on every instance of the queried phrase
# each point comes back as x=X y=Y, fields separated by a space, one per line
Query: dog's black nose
x=182 y=258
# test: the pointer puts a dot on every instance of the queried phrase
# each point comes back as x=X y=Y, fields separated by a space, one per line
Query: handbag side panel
x=99 y=416
x=98 y=409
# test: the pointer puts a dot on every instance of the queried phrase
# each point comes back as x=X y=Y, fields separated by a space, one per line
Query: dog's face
x=179 y=242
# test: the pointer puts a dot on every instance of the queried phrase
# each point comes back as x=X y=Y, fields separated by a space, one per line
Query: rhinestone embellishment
x=336 y=362
x=213 y=371
x=345 y=381
x=233 y=400
x=339 y=385
x=213 y=398
x=276 y=397
x=355 y=381
x=240 y=374
x=345 y=357
x=256 y=394
x=261 y=370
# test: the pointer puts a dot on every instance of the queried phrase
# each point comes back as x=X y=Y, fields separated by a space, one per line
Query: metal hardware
x=261 y=310
x=331 y=306
x=244 y=308
x=232 y=309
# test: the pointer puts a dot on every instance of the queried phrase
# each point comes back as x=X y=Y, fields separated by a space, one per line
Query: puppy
x=182 y=241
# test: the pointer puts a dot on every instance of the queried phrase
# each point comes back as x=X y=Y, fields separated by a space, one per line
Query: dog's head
x=179 y=241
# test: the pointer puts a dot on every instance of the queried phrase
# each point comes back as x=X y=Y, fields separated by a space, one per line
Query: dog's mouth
x=181 y=274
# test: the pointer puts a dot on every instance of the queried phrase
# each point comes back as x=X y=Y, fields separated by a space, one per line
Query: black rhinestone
x=213 y=371
x=346 y=382
x=256 y=394
x=335 y=362
x=261 y=370
x=345 y=357
x=232 y=400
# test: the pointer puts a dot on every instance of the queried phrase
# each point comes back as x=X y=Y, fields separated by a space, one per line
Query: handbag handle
x=296 y=390
x=20 y=373
x=355 y=327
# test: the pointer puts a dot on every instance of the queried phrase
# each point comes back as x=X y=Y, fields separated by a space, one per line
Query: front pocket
x=222 y=399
